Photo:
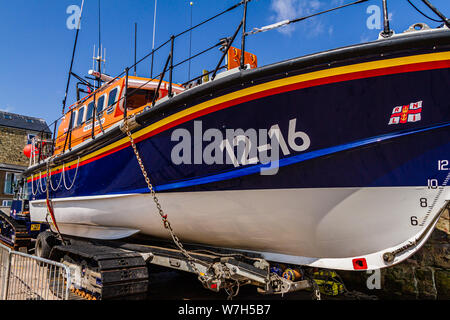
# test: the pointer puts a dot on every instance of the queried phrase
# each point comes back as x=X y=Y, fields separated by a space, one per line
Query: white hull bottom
x=325 y=228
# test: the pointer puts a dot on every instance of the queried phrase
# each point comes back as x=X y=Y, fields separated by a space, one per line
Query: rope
x=286 y=22
x=198 y=54
x=74 y=178
x=327 y=274
x=32 y=190
x=421 y=12
x=59 y=184
x=212 y=18
x=50 y=205
x=40 y=183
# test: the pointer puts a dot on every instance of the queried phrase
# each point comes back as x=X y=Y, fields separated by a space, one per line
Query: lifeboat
x=339 y=159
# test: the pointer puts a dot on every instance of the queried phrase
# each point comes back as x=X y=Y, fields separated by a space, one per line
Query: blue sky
x=37 y=44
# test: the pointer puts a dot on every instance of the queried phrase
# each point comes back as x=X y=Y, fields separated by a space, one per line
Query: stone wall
x=12 y=142
x=425 y=275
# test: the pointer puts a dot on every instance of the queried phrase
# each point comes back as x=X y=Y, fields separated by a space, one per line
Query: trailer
x=109 y=270
x=105 y=270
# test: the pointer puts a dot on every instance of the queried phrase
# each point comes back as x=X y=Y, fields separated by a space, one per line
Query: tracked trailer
x=117 y=270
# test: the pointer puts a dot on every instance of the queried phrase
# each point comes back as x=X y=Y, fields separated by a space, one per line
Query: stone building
x=16 y=131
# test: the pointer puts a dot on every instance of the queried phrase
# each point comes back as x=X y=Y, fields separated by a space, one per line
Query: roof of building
x=13 y=120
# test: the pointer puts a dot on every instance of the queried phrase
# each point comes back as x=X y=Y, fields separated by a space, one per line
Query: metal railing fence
x=27 y=277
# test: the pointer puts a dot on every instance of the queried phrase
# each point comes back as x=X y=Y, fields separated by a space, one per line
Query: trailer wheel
x=44 y=244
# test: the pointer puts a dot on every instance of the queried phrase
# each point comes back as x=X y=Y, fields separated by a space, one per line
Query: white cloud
x=291 y=9
x=338 y=2
x=365 y=38
x=7 y=108
x=330 y=30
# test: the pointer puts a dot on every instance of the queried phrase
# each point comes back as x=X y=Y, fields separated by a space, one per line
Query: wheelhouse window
x=90 y=111
x=112 y=97
x=140 y=98
x=73 y=119
x=80 y=119
x=100 y=104
x=10 y=180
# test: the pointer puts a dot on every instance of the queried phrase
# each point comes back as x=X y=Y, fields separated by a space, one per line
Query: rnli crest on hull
x=409 y=113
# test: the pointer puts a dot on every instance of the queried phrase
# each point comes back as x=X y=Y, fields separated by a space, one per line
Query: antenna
x=93 y=59
x=104 y=61
x=135 y=48
x=100 y=58
x=191 y=4
x=154 y=30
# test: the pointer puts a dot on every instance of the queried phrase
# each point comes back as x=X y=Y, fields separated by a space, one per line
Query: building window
x=30 y=138
x=6 y=203
x=10 y=180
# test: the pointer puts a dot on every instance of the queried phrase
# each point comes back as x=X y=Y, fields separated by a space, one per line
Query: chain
x=50 y=210
x=190 y=260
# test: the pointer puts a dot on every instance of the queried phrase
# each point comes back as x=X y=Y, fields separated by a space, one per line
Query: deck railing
x=170 y=66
